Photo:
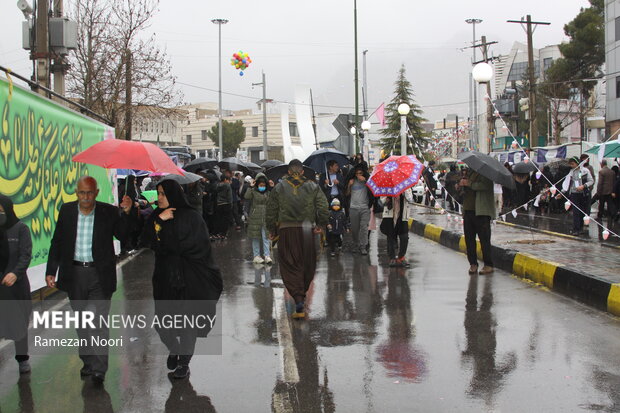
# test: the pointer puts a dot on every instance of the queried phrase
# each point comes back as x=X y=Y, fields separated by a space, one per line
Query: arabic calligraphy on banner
x=38 y=138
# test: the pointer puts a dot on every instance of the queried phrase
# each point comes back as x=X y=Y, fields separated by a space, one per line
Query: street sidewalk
x=587 y=271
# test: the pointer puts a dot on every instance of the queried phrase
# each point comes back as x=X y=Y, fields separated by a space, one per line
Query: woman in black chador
x=15 y=301
x=185 y=275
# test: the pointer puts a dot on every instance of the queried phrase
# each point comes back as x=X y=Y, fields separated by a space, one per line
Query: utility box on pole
x=63 y=35
x=62 y=31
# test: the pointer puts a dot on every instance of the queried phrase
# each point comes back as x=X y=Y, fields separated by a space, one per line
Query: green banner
x=38 y=138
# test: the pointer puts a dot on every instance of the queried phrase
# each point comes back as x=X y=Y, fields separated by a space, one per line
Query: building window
x=204 y=134
x=519 y=71
x=617 y=28
x=255 y=131
x=617 y=87
x=188 y=139
x=292 y=129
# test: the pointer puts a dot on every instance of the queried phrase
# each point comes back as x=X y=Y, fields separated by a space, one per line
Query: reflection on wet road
x=377 y=339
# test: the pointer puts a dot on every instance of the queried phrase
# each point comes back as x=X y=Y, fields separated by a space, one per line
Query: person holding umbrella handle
x=478 y=210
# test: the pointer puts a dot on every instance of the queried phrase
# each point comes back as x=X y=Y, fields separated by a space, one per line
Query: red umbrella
x=394 y=175
x=118 y=153
x=402 y=360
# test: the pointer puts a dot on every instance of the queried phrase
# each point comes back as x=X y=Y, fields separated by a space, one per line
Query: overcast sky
x=311 y=42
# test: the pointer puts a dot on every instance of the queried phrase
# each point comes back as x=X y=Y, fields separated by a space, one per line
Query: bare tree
x=109 y=33
x=566 y=106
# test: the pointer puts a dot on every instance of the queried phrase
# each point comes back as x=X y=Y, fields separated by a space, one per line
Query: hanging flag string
x=515 y=141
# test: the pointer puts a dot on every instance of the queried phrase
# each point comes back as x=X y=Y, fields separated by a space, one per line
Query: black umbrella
x=271 y=163
x=200 y=163
x=188 y=178
x=277 y=172
x=320 y=157
x=523 y=167
x=234 y=164
x=254 y=168
x=488 y=167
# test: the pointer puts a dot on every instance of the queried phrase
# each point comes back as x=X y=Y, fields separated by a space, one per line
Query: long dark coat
x=15 y=301
x=184 y=265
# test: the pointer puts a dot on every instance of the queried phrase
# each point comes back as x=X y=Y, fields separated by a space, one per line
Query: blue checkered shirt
x=84 y=239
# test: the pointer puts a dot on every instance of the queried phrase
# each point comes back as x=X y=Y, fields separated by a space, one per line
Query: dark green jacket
x=485 y=198
x=293 y=203
x=256 y=216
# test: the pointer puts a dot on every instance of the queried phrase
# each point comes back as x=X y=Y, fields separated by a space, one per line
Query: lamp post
x=357 y=109
x=403 y=111
x=365 y=141
x=483 y=73
x=474 y=22
x=353 y=132
x=219 y=23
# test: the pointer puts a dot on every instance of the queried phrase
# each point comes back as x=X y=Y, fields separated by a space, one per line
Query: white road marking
x=288 y=355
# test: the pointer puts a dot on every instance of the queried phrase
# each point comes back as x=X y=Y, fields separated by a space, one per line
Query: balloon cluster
x=240 y=61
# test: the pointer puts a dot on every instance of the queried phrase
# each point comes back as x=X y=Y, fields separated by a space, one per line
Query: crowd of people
x=291 y=212
x=547 y=191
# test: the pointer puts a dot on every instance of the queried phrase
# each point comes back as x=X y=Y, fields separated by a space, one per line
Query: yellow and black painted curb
x=587 y=288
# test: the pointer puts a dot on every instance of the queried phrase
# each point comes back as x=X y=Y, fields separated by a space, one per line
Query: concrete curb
x=586 y=288
x=558 y=234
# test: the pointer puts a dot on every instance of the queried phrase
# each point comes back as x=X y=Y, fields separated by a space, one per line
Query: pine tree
x=416 y=134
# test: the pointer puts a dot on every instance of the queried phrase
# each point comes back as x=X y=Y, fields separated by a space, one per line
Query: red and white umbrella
x=394 y=175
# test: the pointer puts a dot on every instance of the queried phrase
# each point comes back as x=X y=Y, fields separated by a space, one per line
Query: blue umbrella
x=123 y=173
x=319 y=158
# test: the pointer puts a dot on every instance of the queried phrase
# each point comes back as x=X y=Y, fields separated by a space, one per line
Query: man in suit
x=82 y=252
x=333 y=183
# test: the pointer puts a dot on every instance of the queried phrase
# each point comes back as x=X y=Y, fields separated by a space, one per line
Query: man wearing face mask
x=82 y=253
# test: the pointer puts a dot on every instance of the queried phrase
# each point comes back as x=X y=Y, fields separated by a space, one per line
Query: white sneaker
x=258 y=260
x=268 y=260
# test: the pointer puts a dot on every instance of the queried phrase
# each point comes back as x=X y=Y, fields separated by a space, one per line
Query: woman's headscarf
x=174 y=194
x=130 y=187
x=145 y=182
x=11 y=218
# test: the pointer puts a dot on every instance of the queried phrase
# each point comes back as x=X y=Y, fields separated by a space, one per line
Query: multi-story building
x=203 y=117
x=612 y=61
x=513 y=66
x=511 y=70
x=158 y=125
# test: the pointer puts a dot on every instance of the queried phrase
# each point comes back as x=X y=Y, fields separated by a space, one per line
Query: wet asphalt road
x=377 y=339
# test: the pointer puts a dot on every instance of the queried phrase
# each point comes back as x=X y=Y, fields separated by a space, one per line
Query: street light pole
x=364 y=88
x=264 y=105
x=364 y=138
x=357 y=110
x=474 y=22
x=403 y=110
x=483 y=73
x=219 y=23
